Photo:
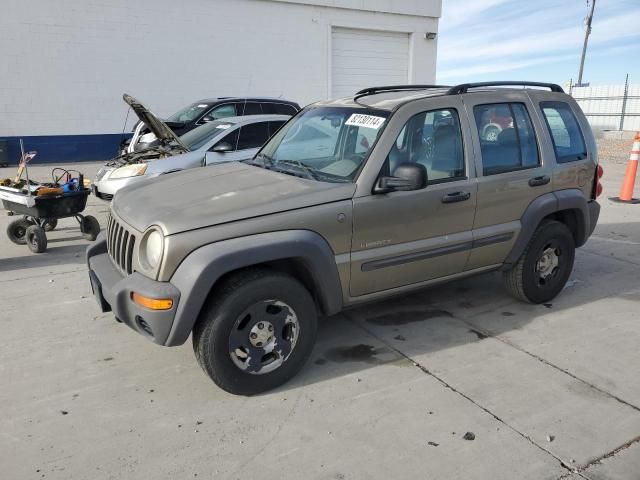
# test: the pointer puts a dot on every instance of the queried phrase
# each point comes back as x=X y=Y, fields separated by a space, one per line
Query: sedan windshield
x=324 y=143
x=198 y=137
x=190 y=113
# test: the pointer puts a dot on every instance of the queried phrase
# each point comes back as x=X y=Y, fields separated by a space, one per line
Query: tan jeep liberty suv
x=352 y=200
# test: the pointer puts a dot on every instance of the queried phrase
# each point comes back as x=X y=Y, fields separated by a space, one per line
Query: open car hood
x=159 y=128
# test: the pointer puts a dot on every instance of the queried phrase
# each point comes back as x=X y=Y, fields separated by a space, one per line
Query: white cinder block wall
x=66 y=63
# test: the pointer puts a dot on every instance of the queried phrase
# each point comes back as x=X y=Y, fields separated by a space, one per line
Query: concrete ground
x=392 y=390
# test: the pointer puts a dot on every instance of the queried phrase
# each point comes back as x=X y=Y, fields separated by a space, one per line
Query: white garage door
x=366 y=58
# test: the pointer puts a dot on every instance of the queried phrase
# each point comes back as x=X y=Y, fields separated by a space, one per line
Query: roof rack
x=464 y=87
x=394 y=88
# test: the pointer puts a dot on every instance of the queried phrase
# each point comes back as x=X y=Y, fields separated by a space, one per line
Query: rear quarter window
x=567 y=138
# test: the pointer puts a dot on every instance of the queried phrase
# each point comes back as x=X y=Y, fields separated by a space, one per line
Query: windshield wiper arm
x=310 y=171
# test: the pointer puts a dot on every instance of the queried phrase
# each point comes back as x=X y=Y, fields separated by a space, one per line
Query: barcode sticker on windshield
x=368 y=121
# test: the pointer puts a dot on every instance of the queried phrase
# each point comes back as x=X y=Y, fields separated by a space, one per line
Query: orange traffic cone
x=626 y=192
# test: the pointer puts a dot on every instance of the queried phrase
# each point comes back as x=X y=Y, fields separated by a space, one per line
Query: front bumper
x=105 y=188
x=113 y=292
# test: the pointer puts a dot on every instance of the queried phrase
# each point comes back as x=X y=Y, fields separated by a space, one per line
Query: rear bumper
x=594 y=214
x=113 y=290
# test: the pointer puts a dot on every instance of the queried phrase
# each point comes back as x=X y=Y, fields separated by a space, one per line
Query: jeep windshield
x=324 y=143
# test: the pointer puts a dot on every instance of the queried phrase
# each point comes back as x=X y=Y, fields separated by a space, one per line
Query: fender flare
x=202 y=268
x=545 y=205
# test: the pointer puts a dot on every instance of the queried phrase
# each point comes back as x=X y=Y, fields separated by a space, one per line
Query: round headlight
x=152 y=249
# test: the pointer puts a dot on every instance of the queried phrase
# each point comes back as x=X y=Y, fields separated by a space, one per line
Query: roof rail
x=464 y=87
x=394 y=88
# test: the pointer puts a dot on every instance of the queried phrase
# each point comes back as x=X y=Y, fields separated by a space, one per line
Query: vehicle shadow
x=451 y=315
x=63 y=255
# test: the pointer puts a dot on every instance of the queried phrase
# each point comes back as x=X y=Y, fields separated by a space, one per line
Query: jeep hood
x=159 y=128
x=217 y=194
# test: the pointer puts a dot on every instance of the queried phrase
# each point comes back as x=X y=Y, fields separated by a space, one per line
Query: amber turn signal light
x=152 y=303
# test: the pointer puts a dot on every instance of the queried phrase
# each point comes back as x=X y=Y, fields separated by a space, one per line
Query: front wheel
x=36 y=239
x=545 y=266
x=256 y=332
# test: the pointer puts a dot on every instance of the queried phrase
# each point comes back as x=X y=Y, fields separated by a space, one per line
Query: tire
x=16 y=231
x=50 y=224
x=534 y=278
x=233 y=315
x=36 y=239
x=90 y=228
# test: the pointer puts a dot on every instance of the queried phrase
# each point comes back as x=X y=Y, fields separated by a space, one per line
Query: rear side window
x=278 y=109
x=507 y=138
x=568 y=141
x=253 y=135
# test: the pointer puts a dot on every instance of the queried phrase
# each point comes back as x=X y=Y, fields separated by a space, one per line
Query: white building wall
x=66 y=63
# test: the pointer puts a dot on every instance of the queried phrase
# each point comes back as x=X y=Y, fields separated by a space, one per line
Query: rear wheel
x=256 y=332
x=36 y=239
x=17 y=229
x=50 y=224
x=545 y=266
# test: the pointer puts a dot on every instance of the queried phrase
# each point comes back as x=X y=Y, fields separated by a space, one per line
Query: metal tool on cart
x=43 y=204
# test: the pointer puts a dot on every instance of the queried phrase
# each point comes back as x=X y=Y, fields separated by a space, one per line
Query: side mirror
x=406 y=177
x=222 y=147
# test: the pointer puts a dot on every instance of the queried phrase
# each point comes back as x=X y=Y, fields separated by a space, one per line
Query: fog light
x=152 y=303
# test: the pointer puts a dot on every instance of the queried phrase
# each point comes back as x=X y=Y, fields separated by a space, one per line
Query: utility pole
x=586 y=40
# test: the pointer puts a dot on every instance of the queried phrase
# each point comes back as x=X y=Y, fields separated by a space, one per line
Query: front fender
x=201 y=269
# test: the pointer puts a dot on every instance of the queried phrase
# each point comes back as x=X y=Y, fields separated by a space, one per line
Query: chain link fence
x=610 y=107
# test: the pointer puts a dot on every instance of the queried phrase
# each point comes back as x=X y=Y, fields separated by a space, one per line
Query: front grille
x=120 y=244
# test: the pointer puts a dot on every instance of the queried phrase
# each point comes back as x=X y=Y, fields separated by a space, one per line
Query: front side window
x=507 y=138
x=565 y=132
x=249 y=108
x=433 y=139
x=325 y=143
x=223 y=111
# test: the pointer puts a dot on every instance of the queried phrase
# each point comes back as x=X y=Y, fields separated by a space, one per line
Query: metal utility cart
x=41 y=212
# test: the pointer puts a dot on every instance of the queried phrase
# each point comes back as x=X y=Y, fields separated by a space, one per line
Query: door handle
x=537 y=181
x=456 y=197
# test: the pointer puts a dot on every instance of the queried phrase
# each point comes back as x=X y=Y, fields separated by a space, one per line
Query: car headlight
x=151 y=249
x=129 y=171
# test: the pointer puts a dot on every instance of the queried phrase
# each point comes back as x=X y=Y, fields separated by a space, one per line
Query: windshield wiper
x=267 y=161
x=310 y=171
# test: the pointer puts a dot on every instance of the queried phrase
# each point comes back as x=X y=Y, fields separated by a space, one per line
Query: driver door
x=407 y=237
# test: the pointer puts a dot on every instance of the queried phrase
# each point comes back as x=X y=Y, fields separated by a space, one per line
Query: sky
x=540 y=40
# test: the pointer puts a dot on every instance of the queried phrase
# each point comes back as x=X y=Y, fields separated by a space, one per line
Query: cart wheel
x=36 y=239
x=89 y=227
x=50 y=224
x=16 y=231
